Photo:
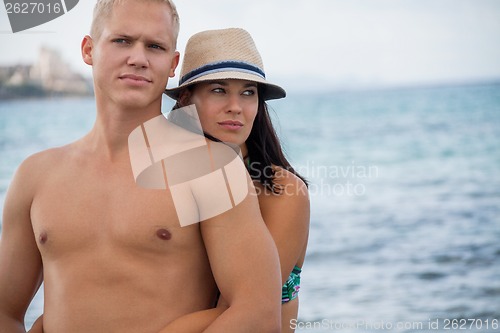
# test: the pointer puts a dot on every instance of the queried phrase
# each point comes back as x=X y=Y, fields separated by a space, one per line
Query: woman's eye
x=249 y=92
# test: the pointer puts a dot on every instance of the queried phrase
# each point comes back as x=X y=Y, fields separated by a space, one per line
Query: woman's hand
x=195 y=322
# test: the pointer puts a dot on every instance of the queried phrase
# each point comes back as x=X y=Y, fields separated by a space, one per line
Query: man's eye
x=120 y=41
x=218 y=90
x=156 y=47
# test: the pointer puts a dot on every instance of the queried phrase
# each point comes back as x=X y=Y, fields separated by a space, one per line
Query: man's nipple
x=163 y=234
x=42 y=237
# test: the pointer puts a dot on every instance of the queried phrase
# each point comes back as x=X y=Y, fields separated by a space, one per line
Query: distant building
x=49 y=76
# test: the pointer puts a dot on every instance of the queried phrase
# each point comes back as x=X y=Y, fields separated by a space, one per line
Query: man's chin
x=137 y=101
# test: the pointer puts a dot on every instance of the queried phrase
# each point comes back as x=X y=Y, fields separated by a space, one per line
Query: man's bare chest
x=75 y=214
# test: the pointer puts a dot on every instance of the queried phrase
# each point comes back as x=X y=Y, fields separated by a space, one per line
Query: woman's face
x=227 y=108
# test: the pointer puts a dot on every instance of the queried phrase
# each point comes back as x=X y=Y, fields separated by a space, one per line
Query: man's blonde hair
x=104 y=8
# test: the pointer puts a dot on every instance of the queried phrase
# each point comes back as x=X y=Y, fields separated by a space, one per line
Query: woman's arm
x=287 y=218
x=191 y=323
x=195 y=322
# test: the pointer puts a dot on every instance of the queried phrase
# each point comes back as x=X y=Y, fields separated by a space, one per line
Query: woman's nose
x=234 y=104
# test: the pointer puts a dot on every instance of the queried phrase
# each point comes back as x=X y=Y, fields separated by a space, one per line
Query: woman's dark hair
x=265 y=151
x=264 y=148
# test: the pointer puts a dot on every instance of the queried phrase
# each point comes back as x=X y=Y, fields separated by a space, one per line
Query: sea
x=405 y=200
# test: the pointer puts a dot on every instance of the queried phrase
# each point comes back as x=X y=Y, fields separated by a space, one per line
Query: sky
x=318 y=44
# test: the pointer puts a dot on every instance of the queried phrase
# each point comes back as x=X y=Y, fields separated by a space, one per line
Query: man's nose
x=138 y=56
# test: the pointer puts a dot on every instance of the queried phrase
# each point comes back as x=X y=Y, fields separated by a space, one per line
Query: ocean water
x=405 y=198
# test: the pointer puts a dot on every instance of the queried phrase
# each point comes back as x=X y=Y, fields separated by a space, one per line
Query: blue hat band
x=233 y=66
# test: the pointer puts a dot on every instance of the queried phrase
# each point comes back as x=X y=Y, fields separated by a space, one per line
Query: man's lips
x=135 y=78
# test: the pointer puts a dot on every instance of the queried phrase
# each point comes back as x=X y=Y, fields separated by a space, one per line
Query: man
x=113 y=256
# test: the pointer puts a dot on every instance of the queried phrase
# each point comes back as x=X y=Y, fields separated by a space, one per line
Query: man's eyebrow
x=162 y=43
x=124 y=36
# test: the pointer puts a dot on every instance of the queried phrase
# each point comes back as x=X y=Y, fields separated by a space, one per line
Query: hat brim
x=270 y=91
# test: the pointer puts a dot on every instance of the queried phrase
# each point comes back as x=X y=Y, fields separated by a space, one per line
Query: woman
x=223 y=76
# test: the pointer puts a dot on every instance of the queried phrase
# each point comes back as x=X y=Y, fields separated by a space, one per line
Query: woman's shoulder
x=289 y=205
x=285 y=176
x=289 y=183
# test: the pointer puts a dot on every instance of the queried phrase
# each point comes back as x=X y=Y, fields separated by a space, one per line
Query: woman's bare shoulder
x=291 y=184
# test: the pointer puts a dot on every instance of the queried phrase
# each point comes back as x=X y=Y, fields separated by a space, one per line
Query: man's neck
x=109 y=136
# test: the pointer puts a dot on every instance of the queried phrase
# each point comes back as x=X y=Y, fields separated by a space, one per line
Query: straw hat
x=223 y=54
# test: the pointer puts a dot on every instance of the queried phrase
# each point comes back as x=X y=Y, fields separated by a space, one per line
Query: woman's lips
x=232 y=125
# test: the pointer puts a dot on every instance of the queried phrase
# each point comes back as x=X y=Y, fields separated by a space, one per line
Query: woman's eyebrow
x=225 y=84
x=222 y=83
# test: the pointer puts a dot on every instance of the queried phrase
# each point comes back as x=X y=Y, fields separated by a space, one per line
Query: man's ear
x=173 y=65
x=87 y=48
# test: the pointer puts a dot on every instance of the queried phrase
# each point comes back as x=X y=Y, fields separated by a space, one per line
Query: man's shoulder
x=32 y=171
x=45 y=157
x=42 y=162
